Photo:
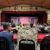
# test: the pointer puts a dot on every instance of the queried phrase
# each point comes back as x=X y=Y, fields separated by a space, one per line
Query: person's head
x=15 y=31
x=31 y=25
x=7 y=26
x=13 y=25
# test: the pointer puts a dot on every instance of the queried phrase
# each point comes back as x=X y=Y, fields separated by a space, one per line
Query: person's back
x=8 y=36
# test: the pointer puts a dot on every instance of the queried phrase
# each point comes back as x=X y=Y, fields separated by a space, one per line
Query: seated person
x=15 y=36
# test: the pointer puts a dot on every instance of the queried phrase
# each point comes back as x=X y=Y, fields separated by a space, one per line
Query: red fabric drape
x=3 y=17
x=45 y=18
